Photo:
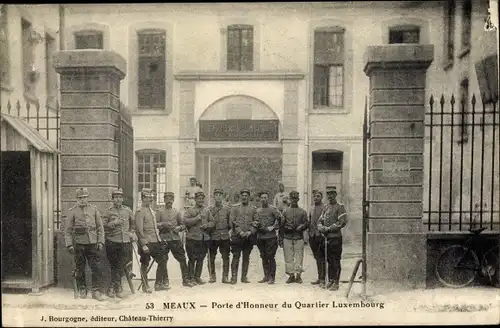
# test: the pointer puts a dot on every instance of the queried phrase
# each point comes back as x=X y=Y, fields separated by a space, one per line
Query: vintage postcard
x=218 y=164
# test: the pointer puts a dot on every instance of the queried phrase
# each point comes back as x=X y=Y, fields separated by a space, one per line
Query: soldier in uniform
x=198 y=222
x=219 y=238
x=84 y=237
x=243 y=217
x=292 y=231
x=330 y=223
x=170 y=224
x=119 y=225
x=151 y=244
x=269 y=219
x=316 y=240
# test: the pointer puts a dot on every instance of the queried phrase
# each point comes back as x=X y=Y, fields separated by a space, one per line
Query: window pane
x=328 y=47
x=466 y=23
x=335 y=84
x=152 y=69
x=327 y=161
x=320 y=95
x=89 y=40
x=240 y=48
x=155 y=173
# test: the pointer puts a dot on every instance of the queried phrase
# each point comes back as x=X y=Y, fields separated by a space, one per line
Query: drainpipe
x=61 y=27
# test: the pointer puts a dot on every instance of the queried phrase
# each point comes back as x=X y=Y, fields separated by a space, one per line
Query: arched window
x=404 y=34
x=152 y=171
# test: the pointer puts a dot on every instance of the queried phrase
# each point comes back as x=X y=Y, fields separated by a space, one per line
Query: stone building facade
x=225 y=92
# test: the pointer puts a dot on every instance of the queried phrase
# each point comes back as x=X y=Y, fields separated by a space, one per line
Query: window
x=4 y=47
x=29 y=70
x=51 y=74
x=240 y=48
x=152 y=69
x=152 y=172
x=464 y=105
x=328 y=68
x=89 y=40
x=450 y=30
x=466 y=24
x=331 y=161
x=404 y=34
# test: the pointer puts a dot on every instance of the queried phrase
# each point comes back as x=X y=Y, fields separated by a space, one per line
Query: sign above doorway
x=239 y=130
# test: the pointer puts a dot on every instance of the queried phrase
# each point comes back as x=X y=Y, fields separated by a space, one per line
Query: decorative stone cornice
x=398 y=56
x=68 y=60
x=231 y=76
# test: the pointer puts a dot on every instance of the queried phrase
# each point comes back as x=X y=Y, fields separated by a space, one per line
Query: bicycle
x=459 y=265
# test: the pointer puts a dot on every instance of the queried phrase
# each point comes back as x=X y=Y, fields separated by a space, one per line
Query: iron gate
x=125 y=140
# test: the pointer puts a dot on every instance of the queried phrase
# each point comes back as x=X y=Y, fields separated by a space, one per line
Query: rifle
x=75 y=285
x=129 y=275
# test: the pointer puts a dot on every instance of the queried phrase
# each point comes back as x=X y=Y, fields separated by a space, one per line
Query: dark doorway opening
x=16 y=215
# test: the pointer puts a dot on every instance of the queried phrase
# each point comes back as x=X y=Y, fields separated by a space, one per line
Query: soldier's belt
x=83 y=230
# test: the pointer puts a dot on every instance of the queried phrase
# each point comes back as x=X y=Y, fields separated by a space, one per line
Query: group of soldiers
x=220 y=228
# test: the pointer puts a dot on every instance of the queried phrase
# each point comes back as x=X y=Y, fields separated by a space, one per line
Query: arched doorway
x=239 y=146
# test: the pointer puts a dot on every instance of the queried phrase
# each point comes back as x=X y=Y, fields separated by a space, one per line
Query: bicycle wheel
x=490 y=266
x=457 y=266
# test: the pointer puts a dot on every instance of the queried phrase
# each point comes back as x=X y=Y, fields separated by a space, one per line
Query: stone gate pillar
x=396 y=241
x=90 y=108
x=90 y=112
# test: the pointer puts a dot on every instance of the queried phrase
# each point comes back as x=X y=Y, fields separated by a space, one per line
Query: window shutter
x=144 y=82
x=247 y=49
x=158 y=83
x=320 y=95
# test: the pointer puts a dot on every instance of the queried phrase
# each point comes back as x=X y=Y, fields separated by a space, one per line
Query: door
x=16 y=215
x=322 y=179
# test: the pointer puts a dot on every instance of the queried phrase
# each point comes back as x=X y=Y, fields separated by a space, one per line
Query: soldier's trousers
x=88 y=253
x=118 y=255
x=317 y=244
x=196 y=251
x=238 y=248
x=224 y=247
x=157 y=252
x=267 y=248
x=175 y=246
x=293 y=249
x=334 y=256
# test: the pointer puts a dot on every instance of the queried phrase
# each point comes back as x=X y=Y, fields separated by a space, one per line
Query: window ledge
x=240 y=75
x=447 y=64
x=150 y=112
x=6 y=87
x=329 y=110
x=464 y=52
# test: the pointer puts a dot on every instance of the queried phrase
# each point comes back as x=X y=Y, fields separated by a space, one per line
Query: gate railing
x=462 y=165
x=125 y=140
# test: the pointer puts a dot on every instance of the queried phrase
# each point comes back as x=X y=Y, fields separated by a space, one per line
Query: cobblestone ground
x=308 y=304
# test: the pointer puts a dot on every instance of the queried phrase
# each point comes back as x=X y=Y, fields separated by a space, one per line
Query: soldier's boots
x=265 y=266
x=191 y=273
x=82 y=293
x=119 y=292
x=160 y=287
x=97 y=296
x=199 y=269
x=315 y=282
x=145 y=283
x=234 y=271
x=185 y=275
x=244 y=271
x=110 y=293
x=213 y=279
x=272 y=271
x=225 y=280
x=333 y=286
x=298 y=278
x=187 y=283
x=291 y=278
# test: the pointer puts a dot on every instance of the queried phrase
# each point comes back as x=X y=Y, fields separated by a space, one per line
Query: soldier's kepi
x=330 y=223
x=170 y=225
x=119 y=228
x=84 y=237
x=219 y=237
x=151 y=244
